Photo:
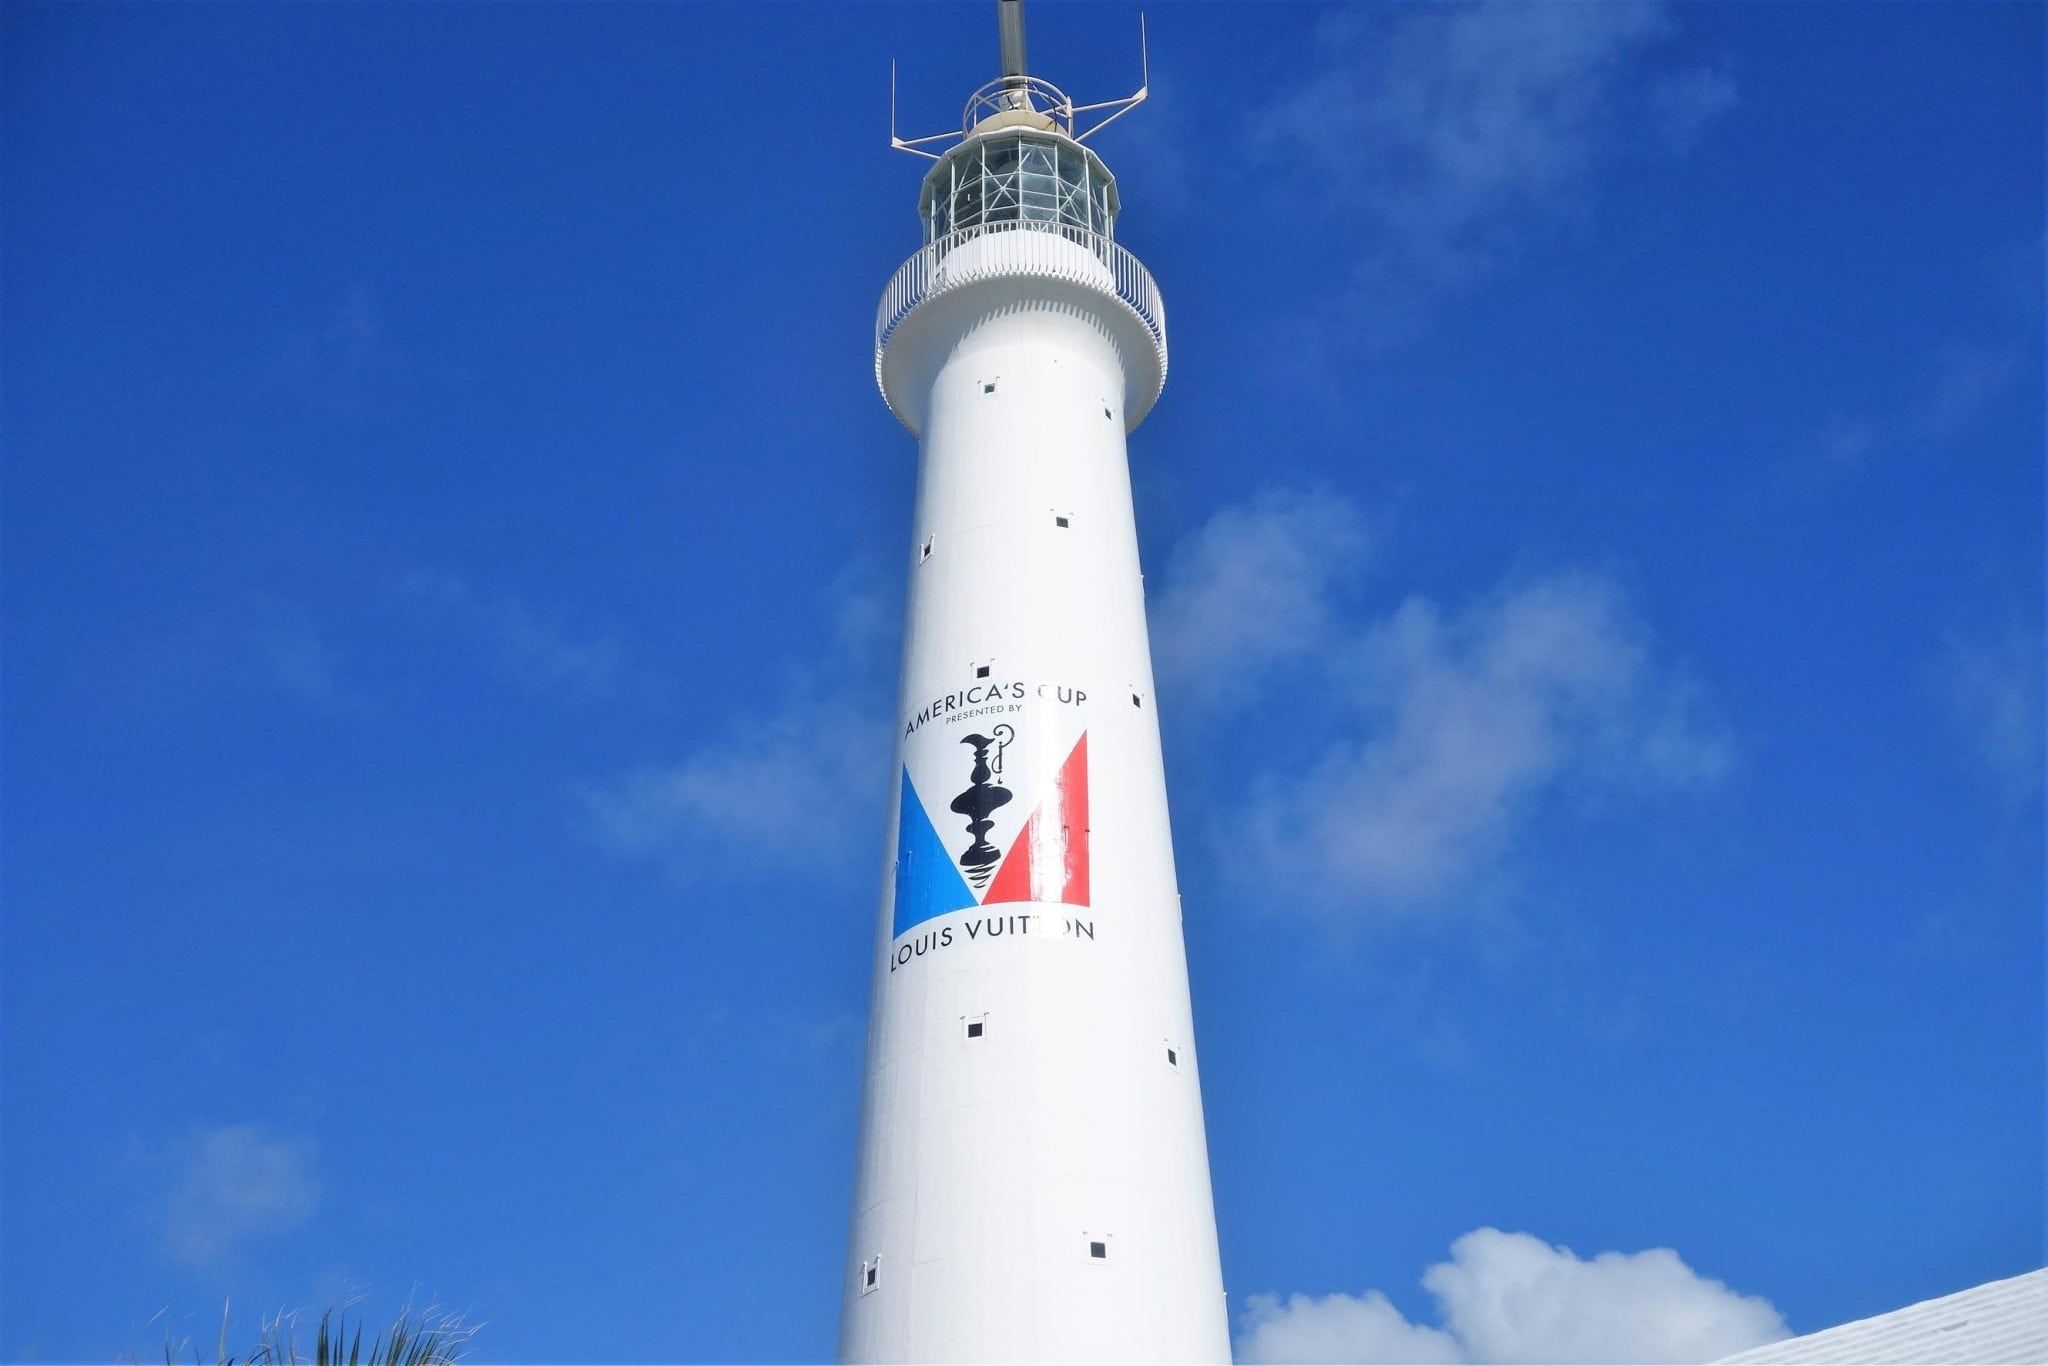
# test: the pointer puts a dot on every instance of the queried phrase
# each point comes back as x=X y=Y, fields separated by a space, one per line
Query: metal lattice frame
x=1007 y=177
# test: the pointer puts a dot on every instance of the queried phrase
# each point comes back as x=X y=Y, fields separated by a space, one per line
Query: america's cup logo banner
x=995 y=800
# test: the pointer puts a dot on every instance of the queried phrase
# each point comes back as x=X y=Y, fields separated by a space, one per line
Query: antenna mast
x=1010 y=24
x=1017 y=91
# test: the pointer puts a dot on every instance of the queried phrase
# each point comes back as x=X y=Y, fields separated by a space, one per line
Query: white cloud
x=1452 y=725
x=1446 y=729
x=1252 y=587
x=1511 y=1297
x=236 y=1184
x=1445 y=114
x=1442 y=131
x=1362 y=1329
x=797 y=785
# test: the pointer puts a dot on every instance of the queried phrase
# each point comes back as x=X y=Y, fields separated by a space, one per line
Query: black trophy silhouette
x=981 y=799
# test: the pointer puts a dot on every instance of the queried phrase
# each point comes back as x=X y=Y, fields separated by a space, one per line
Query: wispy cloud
x=1511 y=1297
x=1457 y=723
x=1251 y=588
x=1993 y=683
x=534 y=648
x=1444 y=133
x=1962 y=386
x=736 y=800
x=295 y=656
x=1968 y=381
x=1943 y=398
x=235 y=1185
x=1685 y=103
x=1446 y=727
x=1156 y=151
x=337 y=360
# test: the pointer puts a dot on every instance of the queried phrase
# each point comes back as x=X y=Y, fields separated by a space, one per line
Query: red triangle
x=1073 y=789
x=1062 y=874
x=1013 y=878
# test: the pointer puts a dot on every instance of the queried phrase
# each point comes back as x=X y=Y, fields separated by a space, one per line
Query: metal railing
x=1031 y=247
x=1012 y=94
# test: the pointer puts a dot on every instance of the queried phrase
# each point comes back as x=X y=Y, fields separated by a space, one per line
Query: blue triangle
x=927 y=882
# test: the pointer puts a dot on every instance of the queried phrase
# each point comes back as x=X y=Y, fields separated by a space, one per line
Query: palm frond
x=427 y=1337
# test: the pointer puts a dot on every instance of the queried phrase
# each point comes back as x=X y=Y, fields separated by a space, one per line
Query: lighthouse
x=1033 y=1177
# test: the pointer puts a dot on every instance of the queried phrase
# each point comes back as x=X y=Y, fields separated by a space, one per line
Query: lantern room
x=1005 y=175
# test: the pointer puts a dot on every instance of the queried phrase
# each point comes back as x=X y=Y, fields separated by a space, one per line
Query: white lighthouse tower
x=1033 y=1181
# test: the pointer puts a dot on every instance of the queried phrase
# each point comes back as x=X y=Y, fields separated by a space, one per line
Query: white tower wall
x=1036 y=1190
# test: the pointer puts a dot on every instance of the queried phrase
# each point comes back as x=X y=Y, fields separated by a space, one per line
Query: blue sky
x=452 y=558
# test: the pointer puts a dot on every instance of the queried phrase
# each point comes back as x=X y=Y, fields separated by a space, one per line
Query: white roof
x=2004 y=1323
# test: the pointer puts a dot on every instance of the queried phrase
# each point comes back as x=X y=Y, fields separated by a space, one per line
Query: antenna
x=1016 y=92
x=1129 y=102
